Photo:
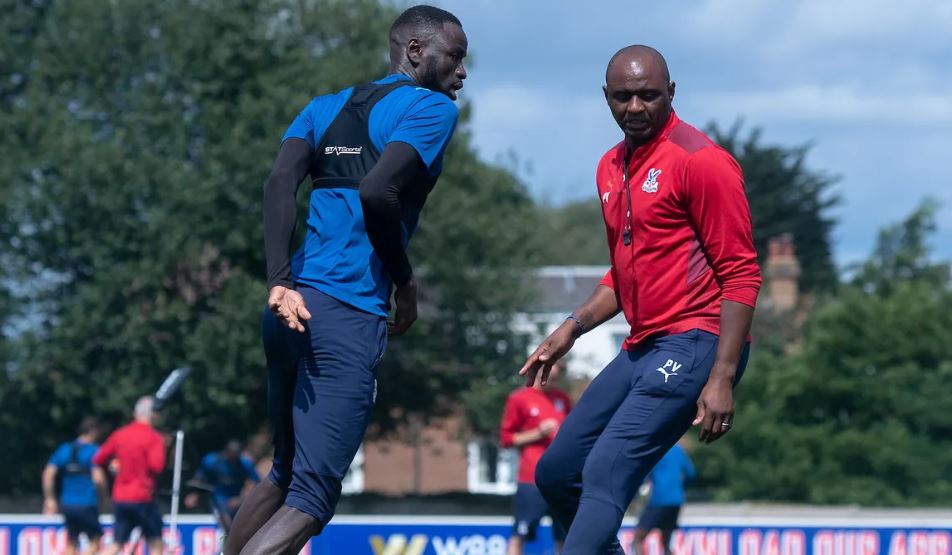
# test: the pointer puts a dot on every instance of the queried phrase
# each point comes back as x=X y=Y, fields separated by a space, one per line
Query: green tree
x=786 y=196
x=902 y=254
x=573 y=234
x=135 y=151
x=861 y=414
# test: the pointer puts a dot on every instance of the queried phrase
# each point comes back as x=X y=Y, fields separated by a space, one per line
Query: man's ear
x=415 y=51
x=671 y=90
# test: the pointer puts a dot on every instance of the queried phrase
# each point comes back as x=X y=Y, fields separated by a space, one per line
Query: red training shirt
x=691 y=240
x=140 y=452
x=526 y=408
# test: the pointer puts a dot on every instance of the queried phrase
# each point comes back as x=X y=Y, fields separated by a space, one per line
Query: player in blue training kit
x=79 y=484
x=668 y=479
x=374 y=153
x=224 y=474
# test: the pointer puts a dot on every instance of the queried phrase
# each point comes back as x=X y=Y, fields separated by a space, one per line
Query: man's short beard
x=429 y=80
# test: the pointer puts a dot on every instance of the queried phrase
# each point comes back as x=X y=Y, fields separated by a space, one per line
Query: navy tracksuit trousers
x=626 y=420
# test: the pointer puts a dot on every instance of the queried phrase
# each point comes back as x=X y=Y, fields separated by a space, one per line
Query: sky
x=866 y=83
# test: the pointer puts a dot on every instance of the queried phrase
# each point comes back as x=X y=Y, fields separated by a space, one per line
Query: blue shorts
x=82 y=519
x=145 y=516
x=321 y=388
x=630 y=415
x=659 y=517
x=528 y=508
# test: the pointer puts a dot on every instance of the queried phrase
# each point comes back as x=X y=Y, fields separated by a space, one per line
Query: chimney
x=781 y=273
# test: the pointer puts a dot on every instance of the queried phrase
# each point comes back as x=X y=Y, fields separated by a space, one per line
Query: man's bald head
x=639 y=91
x=640 y=55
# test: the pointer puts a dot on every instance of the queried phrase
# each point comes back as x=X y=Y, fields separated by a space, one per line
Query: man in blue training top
x=80 y=481
x=224 y=474
x=374 y=153
x=668 y=479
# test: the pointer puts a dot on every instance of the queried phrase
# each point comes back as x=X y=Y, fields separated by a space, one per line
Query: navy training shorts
x=145 y=516
x=321 y=388
x=528 y=508
x=659 y=517
x=82 y=519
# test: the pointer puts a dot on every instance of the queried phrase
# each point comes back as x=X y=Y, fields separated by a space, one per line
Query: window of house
x=353 y=481
x=489 y=468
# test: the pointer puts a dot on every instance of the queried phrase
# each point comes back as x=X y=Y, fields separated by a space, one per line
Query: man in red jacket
x=684 y=272
x=529 y=422
x=139 y=452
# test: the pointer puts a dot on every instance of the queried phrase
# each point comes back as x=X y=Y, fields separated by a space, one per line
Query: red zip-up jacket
x=140 y=452
x=691 y=244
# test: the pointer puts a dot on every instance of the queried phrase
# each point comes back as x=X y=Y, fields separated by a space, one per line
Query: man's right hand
x=406 y=300
x=50 y=507
x=552 y=349
x=288 y=306
x=547 y=426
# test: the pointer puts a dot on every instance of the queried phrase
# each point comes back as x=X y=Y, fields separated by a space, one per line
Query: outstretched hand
x=548 y=353
x=288 y=306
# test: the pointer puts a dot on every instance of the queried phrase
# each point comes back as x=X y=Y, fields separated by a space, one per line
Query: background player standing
x=81 y=483
x=668 y=479
x=530 y=420
x=684 y=271
x=374 y=153
x=224 y=474
x=139 y=452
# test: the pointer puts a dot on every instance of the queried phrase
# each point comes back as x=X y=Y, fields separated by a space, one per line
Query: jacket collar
x=643 y=150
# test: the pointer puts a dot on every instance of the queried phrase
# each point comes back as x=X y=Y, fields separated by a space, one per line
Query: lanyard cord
x=626 y=234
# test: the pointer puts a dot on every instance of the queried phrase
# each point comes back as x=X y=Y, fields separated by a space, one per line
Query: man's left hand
x=715 y=409
x=288 y=306
x=405 y=297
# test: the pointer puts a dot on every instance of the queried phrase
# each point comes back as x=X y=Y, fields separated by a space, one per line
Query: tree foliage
x=137 y=136
x=861 y=413
x=573 y=234
x=786 y=196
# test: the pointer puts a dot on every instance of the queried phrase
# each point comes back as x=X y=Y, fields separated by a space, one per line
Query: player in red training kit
x=684 y=272
x=139 y=451
x=530 y=420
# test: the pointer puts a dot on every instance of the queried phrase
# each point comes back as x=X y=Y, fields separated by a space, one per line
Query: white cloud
x=836 y=103
x=557 y=136
x=509 y=105
x=868 y=21
x=809 y=25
